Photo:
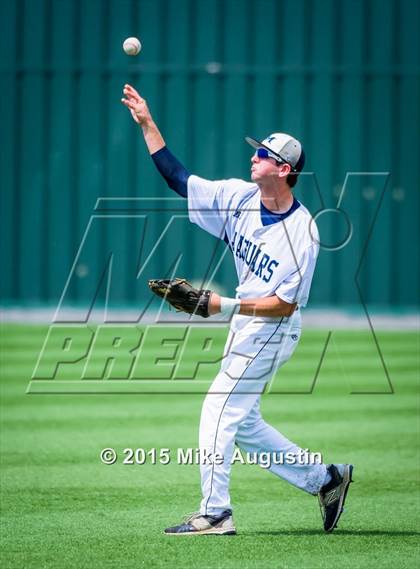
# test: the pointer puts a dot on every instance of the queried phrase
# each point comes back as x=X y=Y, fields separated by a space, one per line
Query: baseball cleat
x=332 y=495
x=197 y=524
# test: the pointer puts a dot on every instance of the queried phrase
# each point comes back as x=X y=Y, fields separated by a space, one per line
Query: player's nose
x=254 y=159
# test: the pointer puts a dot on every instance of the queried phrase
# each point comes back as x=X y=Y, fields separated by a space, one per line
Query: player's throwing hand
x=136 y=105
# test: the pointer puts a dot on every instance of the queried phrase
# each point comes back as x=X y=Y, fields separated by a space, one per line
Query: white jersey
x=270 y=258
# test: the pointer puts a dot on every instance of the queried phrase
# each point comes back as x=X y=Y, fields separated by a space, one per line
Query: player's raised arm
x=170 y=168
x=142 y=116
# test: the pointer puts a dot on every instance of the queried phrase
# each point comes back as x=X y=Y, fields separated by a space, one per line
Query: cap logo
x=271 y=138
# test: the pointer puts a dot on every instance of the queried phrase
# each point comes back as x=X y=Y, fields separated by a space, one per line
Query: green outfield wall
x=341 y=75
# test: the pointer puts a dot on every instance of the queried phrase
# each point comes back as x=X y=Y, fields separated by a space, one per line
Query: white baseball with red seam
x=132 y=46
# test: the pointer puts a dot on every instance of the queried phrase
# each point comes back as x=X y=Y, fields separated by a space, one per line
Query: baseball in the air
x=131 y=46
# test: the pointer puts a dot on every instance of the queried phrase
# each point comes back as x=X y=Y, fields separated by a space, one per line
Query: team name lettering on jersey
x=261 y=264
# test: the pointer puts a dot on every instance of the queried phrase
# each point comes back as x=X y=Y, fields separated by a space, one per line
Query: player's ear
x=284 y=170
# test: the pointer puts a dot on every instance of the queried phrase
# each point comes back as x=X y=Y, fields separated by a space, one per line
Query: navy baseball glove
x=182 y=295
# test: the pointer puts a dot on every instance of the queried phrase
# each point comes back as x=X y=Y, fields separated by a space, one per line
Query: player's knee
x=250 y=425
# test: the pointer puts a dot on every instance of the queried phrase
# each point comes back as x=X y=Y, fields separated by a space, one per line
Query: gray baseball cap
x=283 y=147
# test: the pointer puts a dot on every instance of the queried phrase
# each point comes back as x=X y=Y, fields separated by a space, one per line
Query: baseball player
x=275 y=243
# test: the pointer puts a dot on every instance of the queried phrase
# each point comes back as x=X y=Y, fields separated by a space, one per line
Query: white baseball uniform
x=273 y=256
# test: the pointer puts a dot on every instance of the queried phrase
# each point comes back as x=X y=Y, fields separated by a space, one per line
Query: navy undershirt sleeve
x=172 y=170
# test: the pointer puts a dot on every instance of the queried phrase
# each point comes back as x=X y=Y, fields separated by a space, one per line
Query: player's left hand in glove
x=182 y=295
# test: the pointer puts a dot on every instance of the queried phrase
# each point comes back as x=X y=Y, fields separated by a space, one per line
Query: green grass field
x=61 y=507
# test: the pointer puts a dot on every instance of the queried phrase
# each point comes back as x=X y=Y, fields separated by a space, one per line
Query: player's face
x=263 y=167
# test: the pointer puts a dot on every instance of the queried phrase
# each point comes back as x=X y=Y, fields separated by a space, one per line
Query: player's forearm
x=152 y=136
x=271 y=306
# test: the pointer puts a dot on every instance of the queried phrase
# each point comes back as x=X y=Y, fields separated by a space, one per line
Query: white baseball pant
x=255 y=349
